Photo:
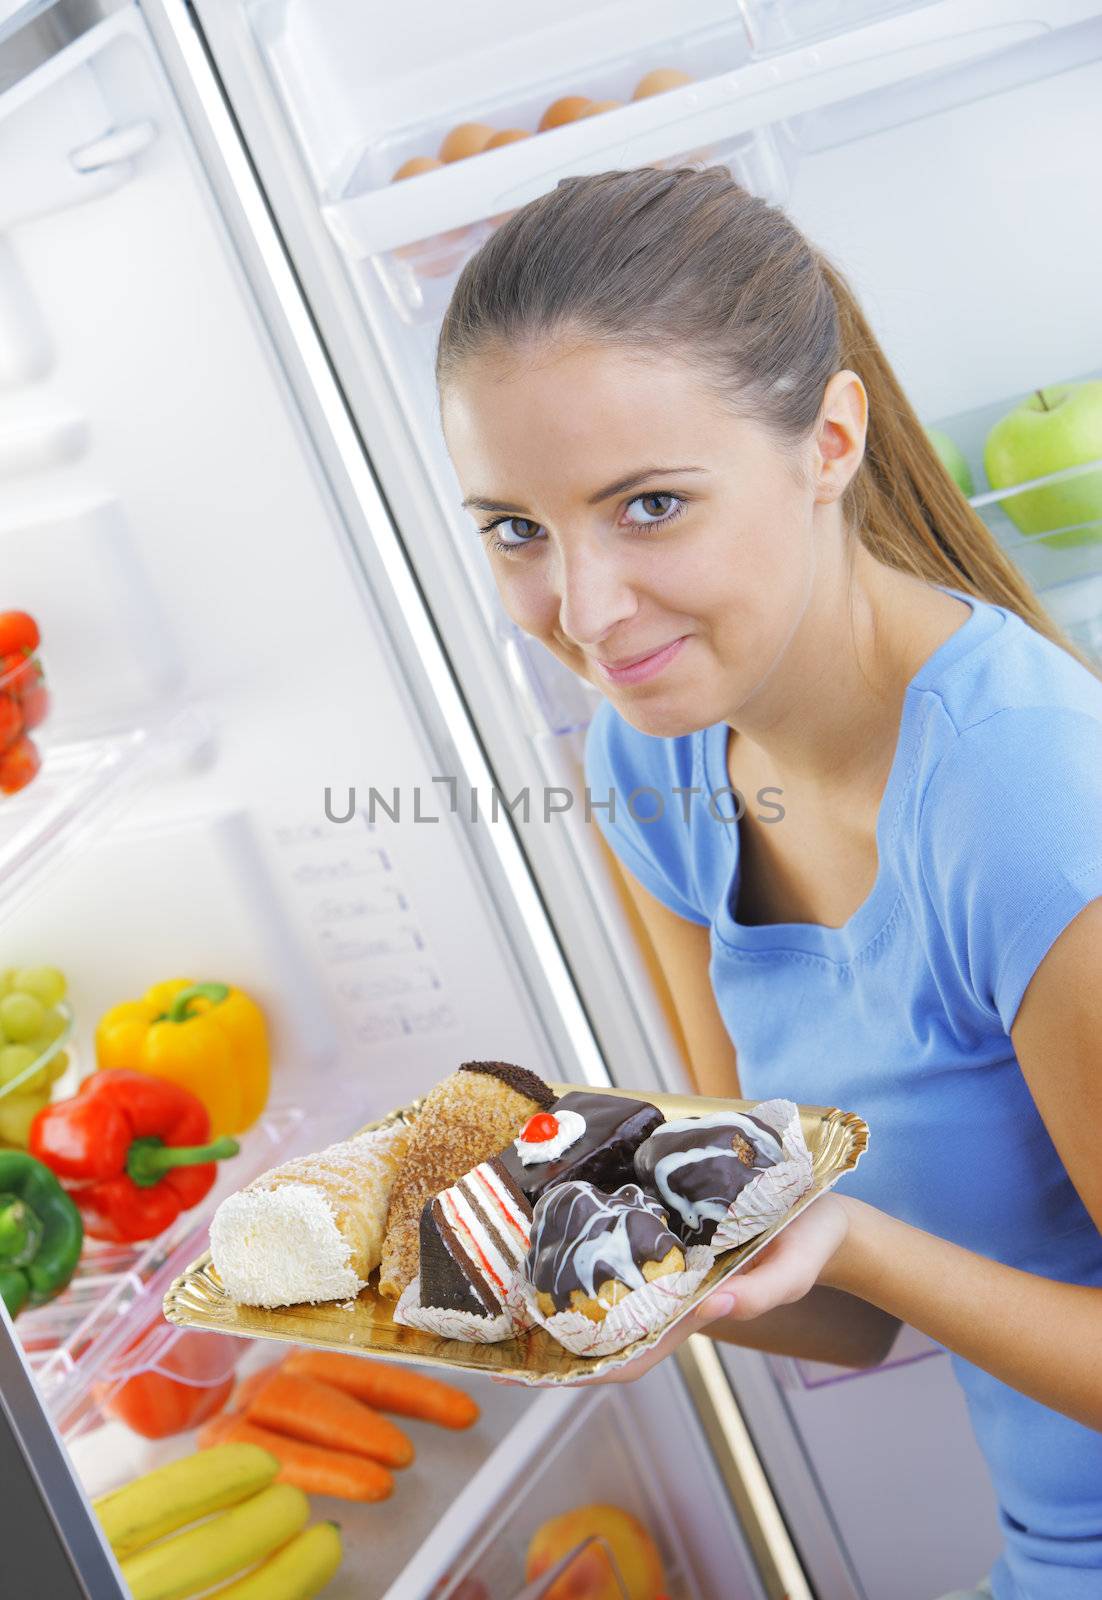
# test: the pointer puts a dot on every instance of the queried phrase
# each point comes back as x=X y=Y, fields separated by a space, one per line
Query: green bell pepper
x=40 y=1232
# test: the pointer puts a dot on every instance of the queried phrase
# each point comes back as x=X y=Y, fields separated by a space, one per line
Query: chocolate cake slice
x=474 y=1235
x=593 y=1140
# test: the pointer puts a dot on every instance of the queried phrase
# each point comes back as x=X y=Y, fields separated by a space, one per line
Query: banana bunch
x=251 y=1522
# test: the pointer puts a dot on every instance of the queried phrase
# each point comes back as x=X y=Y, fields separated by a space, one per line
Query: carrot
x=245 y=1390
x=309 y=1466
x=327 y=1416
x=388 y=1387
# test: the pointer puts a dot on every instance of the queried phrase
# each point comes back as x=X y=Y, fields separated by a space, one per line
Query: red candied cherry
x=540 y=1128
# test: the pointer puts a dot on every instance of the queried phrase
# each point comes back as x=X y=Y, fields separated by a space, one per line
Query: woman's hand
x=788 y=1267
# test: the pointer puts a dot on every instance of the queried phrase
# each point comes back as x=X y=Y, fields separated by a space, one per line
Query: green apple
x=1055 y=428
x=953 y=460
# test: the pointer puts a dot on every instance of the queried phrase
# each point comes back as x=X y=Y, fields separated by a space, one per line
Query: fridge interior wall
x=185 y=490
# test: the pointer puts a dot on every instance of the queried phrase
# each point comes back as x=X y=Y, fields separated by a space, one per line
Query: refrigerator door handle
x=115 y=147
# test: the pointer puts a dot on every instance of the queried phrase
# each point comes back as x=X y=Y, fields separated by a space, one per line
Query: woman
x=701 y=487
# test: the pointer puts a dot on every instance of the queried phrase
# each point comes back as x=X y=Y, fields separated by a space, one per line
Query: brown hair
x=688 y=262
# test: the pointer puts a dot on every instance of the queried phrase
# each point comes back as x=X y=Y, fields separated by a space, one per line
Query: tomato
x=18 y=765
x=35 y=703
x=156 y=1406
x=11 y=720
x=183 y=1382
x=18 y=631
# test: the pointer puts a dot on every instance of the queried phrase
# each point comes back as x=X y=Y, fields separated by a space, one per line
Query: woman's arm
x=1041 y=1337
x=827 y=1324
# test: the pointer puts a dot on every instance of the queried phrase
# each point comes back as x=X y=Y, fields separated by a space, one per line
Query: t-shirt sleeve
x=632 y=778
x=1010 y=837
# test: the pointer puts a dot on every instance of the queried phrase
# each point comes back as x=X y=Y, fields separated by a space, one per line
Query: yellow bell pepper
x=206 y=1036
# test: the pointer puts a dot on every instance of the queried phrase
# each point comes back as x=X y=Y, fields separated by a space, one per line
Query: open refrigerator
x=284 y=693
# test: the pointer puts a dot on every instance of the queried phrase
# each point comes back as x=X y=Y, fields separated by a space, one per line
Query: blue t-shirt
x=989 y=842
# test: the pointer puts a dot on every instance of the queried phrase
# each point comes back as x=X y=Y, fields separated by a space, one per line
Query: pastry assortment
x=499 y=1207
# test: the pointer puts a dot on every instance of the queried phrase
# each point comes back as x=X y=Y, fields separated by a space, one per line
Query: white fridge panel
x=969 y=238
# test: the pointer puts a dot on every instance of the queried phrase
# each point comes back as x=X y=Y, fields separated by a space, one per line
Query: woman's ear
x=840 y=435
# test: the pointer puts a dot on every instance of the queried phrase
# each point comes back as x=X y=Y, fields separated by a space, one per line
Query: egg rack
x=759 y=114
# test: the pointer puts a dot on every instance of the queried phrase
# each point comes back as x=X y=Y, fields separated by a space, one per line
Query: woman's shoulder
x=1007 y=669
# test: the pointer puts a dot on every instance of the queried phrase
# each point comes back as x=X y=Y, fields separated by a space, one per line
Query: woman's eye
x=651 y=508
x=514 y=530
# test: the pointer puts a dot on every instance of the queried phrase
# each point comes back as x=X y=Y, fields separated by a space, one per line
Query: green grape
x=17 y=1112
x=45 y=983
x=22 y=1016
x=52 y=1028
x=16 y=1058
x=7 y=979
x=56 y=1065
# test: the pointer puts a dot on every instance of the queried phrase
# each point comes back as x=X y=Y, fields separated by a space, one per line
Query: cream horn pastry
x=590 y=1249
x=467 y=1118
x=311 y=1229
x=698 y=1166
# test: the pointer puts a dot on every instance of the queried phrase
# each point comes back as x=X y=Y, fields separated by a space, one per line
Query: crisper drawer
x=617 y=1489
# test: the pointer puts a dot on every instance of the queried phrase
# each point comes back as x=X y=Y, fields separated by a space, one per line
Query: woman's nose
x=593 y=593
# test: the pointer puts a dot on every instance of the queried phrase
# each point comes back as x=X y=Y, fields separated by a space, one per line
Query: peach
x=590 y=1576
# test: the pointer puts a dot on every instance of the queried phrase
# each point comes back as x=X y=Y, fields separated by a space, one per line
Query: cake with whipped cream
x=474 y=1236
x=585 y=1137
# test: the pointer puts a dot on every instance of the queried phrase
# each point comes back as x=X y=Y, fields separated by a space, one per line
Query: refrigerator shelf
x=73 y=1340
x=876 y=61
x=1064 y=564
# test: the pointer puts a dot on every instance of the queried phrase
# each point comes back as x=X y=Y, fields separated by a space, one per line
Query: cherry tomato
x=11 y=720
x=18 y=631
x=18 y=765
x=35 y=703
x=19 y=673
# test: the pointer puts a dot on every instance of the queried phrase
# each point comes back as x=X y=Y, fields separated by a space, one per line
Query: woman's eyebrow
x=477 y=502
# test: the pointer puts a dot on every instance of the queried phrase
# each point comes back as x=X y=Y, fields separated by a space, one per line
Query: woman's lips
x=644 y=667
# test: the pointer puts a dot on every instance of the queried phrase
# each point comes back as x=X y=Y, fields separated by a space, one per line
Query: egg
x=597 y=106
x=568 y=109
x=468 y=139
x=507 y=136
x=415 y=166
x=658 y=81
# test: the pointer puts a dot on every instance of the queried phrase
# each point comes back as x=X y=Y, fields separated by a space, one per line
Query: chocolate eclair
x=697 y=1166
x=586 y=1138
x=590 y=1249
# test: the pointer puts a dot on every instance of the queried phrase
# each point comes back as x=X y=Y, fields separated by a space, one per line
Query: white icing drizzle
x=571 y=1127
x=765 y=1145
x=596 y=1237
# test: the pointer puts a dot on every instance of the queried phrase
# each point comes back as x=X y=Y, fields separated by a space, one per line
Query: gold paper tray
x=364 y=1326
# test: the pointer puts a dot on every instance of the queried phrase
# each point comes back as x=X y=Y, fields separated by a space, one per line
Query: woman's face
x=659 y=546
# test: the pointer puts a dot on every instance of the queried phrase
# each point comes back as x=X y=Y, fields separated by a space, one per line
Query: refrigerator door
x=212 y=431
x=939 y=154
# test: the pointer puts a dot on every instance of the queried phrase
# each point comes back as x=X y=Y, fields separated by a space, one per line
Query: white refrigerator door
x=193 y=424
x=940 y=154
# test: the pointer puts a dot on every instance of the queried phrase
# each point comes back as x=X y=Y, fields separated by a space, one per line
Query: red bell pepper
x=132 y=1151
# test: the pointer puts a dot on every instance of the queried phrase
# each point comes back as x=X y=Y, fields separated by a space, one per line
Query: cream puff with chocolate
x=590 y=1249
x=698 y=1166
